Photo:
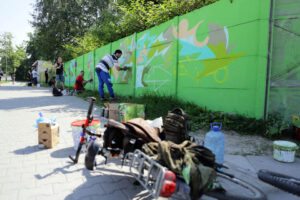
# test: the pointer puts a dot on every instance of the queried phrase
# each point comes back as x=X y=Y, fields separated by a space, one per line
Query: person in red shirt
x=80 y=82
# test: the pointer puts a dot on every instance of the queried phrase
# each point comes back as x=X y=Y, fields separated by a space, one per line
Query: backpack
x=191 y=162
x=56 y=92
x=176 y=126
x=128 y=136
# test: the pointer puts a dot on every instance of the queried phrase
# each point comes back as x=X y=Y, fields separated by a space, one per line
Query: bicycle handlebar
x=92 y=134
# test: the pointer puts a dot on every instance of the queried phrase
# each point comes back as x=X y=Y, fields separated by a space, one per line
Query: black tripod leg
x=105 y=159
x=122 y=161
x=75 y=160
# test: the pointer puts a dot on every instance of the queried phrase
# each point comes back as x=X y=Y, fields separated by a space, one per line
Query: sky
x=14 y=17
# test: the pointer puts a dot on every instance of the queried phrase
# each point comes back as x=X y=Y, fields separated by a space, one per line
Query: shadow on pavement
x=102 y=183
x=61 y=104
x=28 y=150
x=14 y=88
x=117 y=184
x=57 y=170
x=63 y=153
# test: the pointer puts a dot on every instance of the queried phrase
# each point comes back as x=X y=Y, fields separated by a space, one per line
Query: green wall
x=67 y=66
x=123 y=81
x=156 y=60
x=72 y=72
x=215 y=57
x=284 y=77
x=223 y=57
x=89 y=69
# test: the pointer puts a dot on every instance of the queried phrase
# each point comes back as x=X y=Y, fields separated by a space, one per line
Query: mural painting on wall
x=72 y=70
x=213 y=51
x=127 y=59
x=89 y=66
x=155 y=54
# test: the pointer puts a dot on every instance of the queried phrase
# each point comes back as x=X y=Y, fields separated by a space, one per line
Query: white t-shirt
x=108 y=61
x=34 y=74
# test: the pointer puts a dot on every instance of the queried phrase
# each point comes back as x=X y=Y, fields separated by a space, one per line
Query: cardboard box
x=123 y=112
x=48 y=135
x=113 y=110
x=130 y=111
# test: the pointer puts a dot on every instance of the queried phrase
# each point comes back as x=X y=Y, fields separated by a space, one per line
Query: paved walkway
x=27 y=172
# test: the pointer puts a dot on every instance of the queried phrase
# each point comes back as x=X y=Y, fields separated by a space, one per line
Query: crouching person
x=80 y=82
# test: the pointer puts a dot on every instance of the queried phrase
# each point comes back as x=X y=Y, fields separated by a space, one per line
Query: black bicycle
x=281 y=181
x=235 y=189
x=88 y=120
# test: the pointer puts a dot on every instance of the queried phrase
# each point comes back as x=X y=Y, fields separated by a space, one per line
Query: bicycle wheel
x=236 y=189
x=280 y=181
x=92 y=151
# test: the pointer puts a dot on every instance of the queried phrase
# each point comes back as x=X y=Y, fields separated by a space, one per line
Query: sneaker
x=103 y=99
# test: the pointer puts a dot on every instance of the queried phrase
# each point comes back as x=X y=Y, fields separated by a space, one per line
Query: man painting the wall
x=59 y=66
x=102 y=68
x=80 y=83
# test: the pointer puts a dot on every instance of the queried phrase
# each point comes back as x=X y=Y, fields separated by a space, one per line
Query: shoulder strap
x=180 y=111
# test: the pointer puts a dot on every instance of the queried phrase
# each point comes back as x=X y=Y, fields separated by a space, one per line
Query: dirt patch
x=237 y=144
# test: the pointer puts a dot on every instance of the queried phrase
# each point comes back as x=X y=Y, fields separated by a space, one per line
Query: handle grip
x=216 y=123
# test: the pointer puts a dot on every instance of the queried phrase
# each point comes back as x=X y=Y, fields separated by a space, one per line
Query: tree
x=60 y=22
x=6 y=51
x=19 y=55
x=81 y=46
x=14 y=56
x=139 y=15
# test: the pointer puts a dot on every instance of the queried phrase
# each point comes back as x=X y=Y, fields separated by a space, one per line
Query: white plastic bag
x=156 y=123
x=64 y=92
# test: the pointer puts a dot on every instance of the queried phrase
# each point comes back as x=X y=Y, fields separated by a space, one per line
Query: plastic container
x=284 y=151
x=104 y=112
x=41 y=119
x=94 y=127
x=215 y=141
x=296 y=126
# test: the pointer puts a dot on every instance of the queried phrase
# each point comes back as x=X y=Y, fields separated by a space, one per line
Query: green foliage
x=58 y=23
x=81 y=45
x=13 y=55
x=139 y=15
x=201 y=118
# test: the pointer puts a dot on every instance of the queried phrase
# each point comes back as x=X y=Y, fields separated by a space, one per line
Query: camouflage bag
x=176 y=126
x=194 y=163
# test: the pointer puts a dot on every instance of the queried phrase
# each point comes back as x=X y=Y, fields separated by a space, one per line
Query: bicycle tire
x=90 y=156
x=280 y=181
x=257 y=194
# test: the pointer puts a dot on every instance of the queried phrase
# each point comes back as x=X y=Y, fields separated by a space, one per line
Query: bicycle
x=88 y=120
x=281 y=181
